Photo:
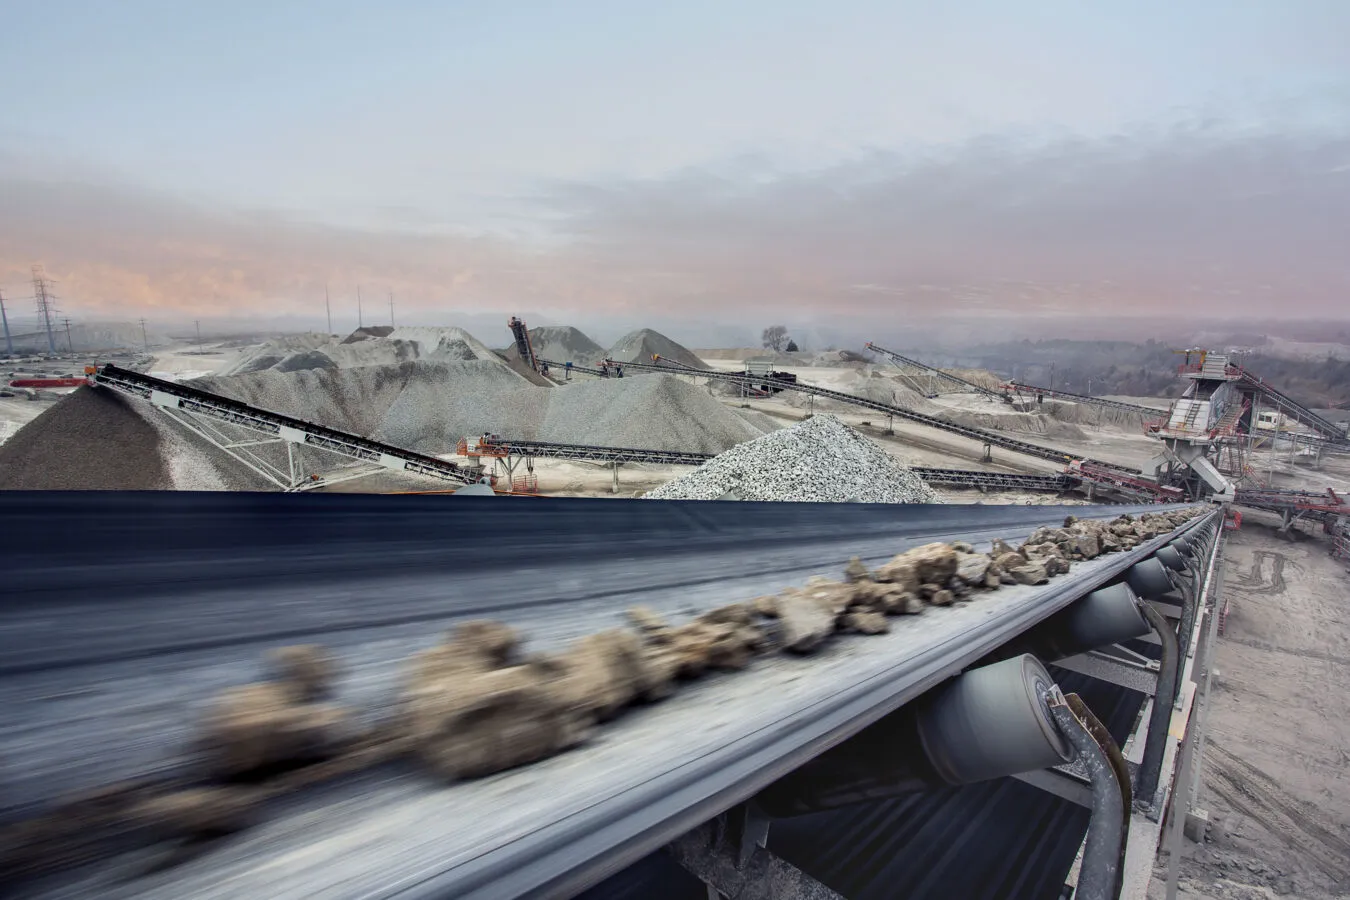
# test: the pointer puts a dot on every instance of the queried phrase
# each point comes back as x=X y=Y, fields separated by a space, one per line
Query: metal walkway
x=989 y=438
x=196 y=409
x=960 y=384
x=500 y=447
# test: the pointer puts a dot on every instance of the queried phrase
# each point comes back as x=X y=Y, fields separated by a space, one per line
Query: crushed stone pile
x=640 y=346
x=371 y=346
x=818 y=460
x=561 y=343
x=430 y=406
x=475 y=703
x=98 y=440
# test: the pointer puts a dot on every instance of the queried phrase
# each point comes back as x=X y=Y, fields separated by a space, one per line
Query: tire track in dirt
x=1267 y=646
x=1254 y=580
x=1251 y=791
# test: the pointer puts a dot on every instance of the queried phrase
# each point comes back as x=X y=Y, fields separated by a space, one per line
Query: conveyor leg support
x=728 y=855
x=1160 y=719
x=1102 y=870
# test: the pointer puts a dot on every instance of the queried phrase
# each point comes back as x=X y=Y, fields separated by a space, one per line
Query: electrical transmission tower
x=70 y=342
x=46 y=304
x=9 y=341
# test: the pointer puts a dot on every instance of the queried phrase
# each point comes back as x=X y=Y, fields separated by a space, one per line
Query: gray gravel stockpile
x=819 y=460
x=561 y=343
x=639 y=346
x=364 y=347
x=429 y=406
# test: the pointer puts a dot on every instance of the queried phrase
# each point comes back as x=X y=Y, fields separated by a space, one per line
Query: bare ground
x=1276 y=776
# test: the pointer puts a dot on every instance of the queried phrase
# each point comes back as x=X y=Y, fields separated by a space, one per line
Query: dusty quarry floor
x=1276 y=776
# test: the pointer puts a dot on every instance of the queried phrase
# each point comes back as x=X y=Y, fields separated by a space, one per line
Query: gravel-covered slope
x=820 y=459
x=639 y=346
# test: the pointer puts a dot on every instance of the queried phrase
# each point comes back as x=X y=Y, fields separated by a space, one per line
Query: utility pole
x=46 y=304
x=9 y=341
x=198 y=323
x=358 y=307
x=328 y=307
x=391 y=309
x=144 y=340
x=69 y=342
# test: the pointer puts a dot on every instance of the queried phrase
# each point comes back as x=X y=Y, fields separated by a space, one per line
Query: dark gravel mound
x=93 y=440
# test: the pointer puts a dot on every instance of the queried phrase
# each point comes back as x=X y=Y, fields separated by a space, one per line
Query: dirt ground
x=1276 y=776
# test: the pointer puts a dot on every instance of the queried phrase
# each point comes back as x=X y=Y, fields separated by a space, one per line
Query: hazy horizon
x=830 y=167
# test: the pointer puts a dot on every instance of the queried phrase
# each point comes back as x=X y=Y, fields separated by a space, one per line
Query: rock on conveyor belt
x=476 y=703
x=820 y=460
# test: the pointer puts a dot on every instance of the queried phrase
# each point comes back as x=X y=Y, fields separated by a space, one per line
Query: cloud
x=1220 y=223
x=1201 y=221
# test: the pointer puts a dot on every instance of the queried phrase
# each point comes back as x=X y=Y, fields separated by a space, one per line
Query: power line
x=46 y=304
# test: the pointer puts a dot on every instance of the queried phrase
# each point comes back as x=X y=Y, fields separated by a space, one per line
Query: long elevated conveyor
x=123 y=613
x=992 y=438
x=505 y=446
x=174 y=397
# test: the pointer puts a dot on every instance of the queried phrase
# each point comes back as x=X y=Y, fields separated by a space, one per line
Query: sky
x=590 y=161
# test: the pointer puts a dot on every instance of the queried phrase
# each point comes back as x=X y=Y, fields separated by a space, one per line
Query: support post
x=1155 y=743
x=1103 y=866
x=728 y=855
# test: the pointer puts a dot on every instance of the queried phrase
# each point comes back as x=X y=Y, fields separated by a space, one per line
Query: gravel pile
x=561 y=343
x=818 y=460
x=639 y=346
x=429 y=406
x=365 y=347
x=98 y=440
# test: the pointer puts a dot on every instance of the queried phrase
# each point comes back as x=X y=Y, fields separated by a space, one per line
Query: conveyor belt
x=944 y=477
x=109 y=647
x=1084 y=398
x=961 y=383
x=1301 y=413
x=992 y=438
x=171 y=395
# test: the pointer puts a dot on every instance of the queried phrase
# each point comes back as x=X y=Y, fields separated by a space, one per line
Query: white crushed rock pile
x=640 y=346
x=818 y=460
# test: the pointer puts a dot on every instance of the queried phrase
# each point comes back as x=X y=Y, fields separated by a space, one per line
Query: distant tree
x=774 y=337
x=792 y=346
